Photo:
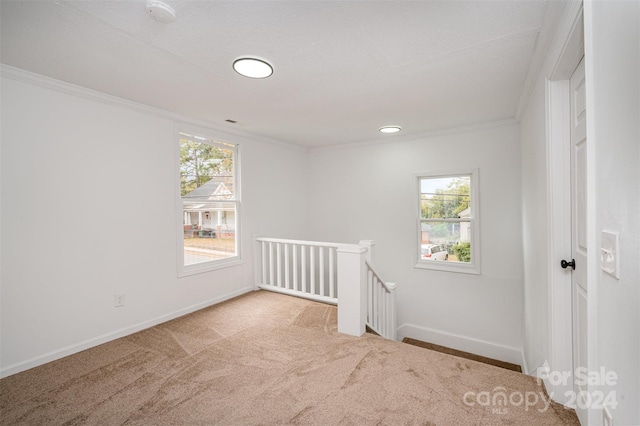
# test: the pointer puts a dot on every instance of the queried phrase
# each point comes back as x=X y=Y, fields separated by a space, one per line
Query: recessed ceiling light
x=389 y=129
x=252 y=67
x=160 y=11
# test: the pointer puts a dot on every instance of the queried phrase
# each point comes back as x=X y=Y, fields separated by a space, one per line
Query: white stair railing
x=299 y=268
x=381 y=305
x=340 y=274
x=380 y=296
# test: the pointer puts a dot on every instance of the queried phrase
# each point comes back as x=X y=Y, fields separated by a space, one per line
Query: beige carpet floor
x=269 y=359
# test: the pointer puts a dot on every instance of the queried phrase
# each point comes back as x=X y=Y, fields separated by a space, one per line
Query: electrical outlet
x=118 y=300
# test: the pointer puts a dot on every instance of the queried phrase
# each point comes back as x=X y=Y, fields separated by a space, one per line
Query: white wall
x=88 y=210
x=612 y=33
x=534 y=225
x=369 y=192
x=612 y=58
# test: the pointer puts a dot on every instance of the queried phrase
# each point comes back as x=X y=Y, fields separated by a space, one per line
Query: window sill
x=201 y=268
x=457 y=267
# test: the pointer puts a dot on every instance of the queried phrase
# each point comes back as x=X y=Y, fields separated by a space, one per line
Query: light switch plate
x=610 y=253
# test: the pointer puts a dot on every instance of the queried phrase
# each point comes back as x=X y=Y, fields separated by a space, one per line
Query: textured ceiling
x=342 y=69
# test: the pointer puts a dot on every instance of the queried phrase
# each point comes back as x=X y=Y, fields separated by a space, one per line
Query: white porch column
x=200 y=219
x=352 y=289
x=370 y=246
x=219 y=218
x=187 y=218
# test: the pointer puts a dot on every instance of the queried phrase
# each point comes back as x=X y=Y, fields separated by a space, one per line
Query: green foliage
x=200 y=162
x=448 y=202
x=463 y=251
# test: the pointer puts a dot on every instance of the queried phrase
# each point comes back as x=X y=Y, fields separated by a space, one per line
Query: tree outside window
x=447 y=220
x=208 y=189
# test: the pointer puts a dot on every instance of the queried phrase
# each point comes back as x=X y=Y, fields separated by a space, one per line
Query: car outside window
x=448 y=234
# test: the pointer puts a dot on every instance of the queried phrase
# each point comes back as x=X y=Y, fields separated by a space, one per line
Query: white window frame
x=207 y=136
x=472 y=267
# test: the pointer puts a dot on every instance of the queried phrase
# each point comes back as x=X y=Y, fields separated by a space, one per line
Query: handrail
x=388 y=286
x=300 y=242
x=335 y=273
x=299 y=268
x=381 y=304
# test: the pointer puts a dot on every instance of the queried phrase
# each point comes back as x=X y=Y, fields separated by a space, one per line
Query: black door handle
x=564 y=264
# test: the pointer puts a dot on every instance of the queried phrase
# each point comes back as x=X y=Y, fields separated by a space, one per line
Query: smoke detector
x=160 y=11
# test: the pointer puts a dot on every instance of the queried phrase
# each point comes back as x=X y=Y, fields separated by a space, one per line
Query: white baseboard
x=462 y=343
x=525 y=366
x=95 y=341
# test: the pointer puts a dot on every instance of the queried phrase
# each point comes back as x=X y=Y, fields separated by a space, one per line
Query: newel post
x=370 y=246
x=352 y=289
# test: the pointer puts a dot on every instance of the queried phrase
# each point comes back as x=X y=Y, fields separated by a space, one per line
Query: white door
x=579 y=231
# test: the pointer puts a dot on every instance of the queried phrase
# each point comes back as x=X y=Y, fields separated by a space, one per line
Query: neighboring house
x=425 y=228
x=465 y=227
x=204 y=218
x=460 y=230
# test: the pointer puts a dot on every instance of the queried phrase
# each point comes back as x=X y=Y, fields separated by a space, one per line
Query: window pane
x=445 y=197
x=445 y=241
x=209 y=231
x=207 y=190
x=206 y=170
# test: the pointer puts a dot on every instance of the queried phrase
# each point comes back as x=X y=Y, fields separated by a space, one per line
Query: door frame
x=559 y=206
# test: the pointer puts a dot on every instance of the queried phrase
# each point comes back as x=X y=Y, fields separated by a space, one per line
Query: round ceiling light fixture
x=160 y=11
x=389 y=129
x=252 y=67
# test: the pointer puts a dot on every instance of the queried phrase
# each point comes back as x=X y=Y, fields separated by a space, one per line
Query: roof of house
x=217 y=188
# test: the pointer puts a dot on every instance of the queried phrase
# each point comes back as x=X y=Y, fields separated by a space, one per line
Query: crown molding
x=238 y=136
x=418 y=136
x=28 y=77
